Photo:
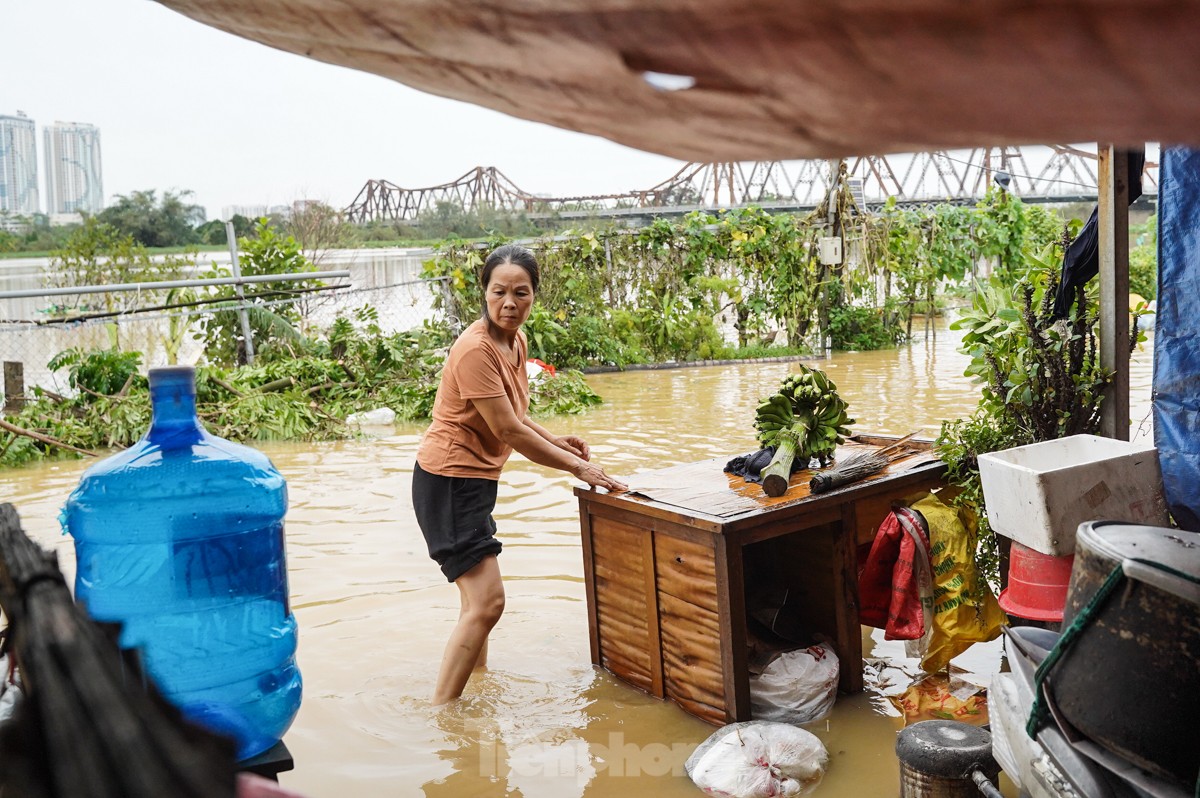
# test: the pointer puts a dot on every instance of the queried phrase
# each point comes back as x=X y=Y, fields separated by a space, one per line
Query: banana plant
x=805 y=418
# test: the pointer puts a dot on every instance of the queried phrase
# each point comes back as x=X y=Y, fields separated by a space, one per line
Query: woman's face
x=509 y=297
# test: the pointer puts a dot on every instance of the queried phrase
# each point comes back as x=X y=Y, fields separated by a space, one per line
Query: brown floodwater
x=374 y=611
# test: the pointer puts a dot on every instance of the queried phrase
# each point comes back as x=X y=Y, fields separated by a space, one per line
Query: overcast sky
x=184 y=106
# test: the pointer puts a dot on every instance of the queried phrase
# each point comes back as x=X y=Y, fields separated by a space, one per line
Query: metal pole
x=237 y=287
x=168 y=284
x=1113 y=218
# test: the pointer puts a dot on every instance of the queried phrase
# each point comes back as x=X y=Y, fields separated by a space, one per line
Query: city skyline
x=74 y=176
x=71 y=180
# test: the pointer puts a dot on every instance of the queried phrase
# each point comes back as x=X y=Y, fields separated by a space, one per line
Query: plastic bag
x=379 y=417
x=796 y=686
x=943 y=696
x=757 y=759
x=964 y=610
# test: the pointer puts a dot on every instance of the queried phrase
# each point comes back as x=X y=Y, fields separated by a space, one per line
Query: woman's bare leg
x=483 y=604
x=465 y=601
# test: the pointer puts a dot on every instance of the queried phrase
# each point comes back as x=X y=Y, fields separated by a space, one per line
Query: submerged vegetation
x=741 y=283
x=305 y=394
x=676 y=289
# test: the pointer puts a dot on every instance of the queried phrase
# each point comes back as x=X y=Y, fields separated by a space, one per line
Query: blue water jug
x=180 y=538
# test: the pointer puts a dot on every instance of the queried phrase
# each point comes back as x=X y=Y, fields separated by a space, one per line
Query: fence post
x=231 y=236
x=14 y=386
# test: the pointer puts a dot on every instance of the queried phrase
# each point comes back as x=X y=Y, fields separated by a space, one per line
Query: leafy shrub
x=568 y=392
x=862 y=329
x=98 y=371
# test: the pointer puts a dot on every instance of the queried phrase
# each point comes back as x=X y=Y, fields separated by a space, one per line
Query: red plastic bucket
x=1037 y=584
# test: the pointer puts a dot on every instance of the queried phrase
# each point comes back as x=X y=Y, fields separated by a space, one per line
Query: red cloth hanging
x=888 y=582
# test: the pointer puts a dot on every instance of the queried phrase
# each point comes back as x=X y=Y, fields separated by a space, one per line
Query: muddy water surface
x=374 y=611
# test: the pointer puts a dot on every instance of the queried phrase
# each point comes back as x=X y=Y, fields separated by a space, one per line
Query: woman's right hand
x=594 y=475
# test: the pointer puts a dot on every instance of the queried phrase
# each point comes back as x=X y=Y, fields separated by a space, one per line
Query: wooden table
x=667 y=567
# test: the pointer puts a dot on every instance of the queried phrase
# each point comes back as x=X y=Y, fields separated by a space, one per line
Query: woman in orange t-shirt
x=479 y=417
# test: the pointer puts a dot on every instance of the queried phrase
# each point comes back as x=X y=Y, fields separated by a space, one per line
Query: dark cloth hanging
x=1081 y=261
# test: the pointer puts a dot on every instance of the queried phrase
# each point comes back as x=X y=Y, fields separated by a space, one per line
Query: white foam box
x=1038 y=495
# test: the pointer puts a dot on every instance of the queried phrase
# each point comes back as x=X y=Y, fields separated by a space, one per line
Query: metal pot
x=1130 y=680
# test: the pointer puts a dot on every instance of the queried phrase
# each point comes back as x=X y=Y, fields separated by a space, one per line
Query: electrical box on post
x=831 y=251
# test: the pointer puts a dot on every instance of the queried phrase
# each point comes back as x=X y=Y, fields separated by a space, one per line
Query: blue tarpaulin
x=1177 y=334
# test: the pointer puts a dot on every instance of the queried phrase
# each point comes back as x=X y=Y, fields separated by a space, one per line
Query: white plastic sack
x=796 y=687
x=758 y=759
x=379 y=417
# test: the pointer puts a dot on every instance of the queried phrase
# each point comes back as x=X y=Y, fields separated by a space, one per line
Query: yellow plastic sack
x=964 y=610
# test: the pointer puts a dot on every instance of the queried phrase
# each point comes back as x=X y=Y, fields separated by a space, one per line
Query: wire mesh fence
x=166 y=334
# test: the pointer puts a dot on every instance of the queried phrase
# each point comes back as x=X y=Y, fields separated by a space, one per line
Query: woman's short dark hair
x=517 y=256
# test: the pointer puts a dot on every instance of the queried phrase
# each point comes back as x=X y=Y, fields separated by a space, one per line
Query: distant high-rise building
x=18 y=165
x=252 y=212
x=74 y=180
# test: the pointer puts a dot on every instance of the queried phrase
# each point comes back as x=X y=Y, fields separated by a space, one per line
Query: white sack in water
x=757 y=759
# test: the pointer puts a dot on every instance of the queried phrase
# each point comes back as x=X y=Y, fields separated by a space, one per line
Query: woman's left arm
x=571 y=443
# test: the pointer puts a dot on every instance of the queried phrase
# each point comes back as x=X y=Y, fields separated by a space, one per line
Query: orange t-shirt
x=459 y=443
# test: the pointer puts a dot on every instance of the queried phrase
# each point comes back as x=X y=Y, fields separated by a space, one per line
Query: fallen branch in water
x=277 y=385
x=13 y=428
x=226 y=386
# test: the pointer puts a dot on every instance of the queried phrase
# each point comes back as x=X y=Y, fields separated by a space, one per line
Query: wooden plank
x=686 y=570
x=617 y=620
x=14 y=386
x=792 y=524
x=653 y=616
x=731 y=602
x=613 y=587
x=703 y=711
x=898 y=482
x=620 y=555
x=632 y=513
x=874 y=439
x=845 y=587
x=868 y=514
x=642 y=509
x=692 y=653
x=1113 y=228
x=589 y=580
x=624 y=612
x=627 y=672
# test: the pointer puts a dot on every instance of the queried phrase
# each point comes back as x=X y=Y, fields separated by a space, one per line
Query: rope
x=1037 y=715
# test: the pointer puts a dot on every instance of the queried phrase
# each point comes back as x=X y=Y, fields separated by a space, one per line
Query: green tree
x=99 y=254
x=1143 y=259
x=1000 y=231
x=213 y=232
x=318 y=228
x=167 y=222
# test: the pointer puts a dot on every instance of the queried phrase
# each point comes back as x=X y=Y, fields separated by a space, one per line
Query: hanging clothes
x=894 y=584
x=1081 y=261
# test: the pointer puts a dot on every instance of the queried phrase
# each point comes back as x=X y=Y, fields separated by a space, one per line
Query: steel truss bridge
x=1056 y=173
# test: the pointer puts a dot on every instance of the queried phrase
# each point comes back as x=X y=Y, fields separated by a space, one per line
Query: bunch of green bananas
x=805 y=418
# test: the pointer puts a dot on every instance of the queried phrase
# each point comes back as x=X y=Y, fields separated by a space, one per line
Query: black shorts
x=455 y=516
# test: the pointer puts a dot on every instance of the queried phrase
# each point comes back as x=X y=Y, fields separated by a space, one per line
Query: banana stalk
x=805 y=418
x=777 y=473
